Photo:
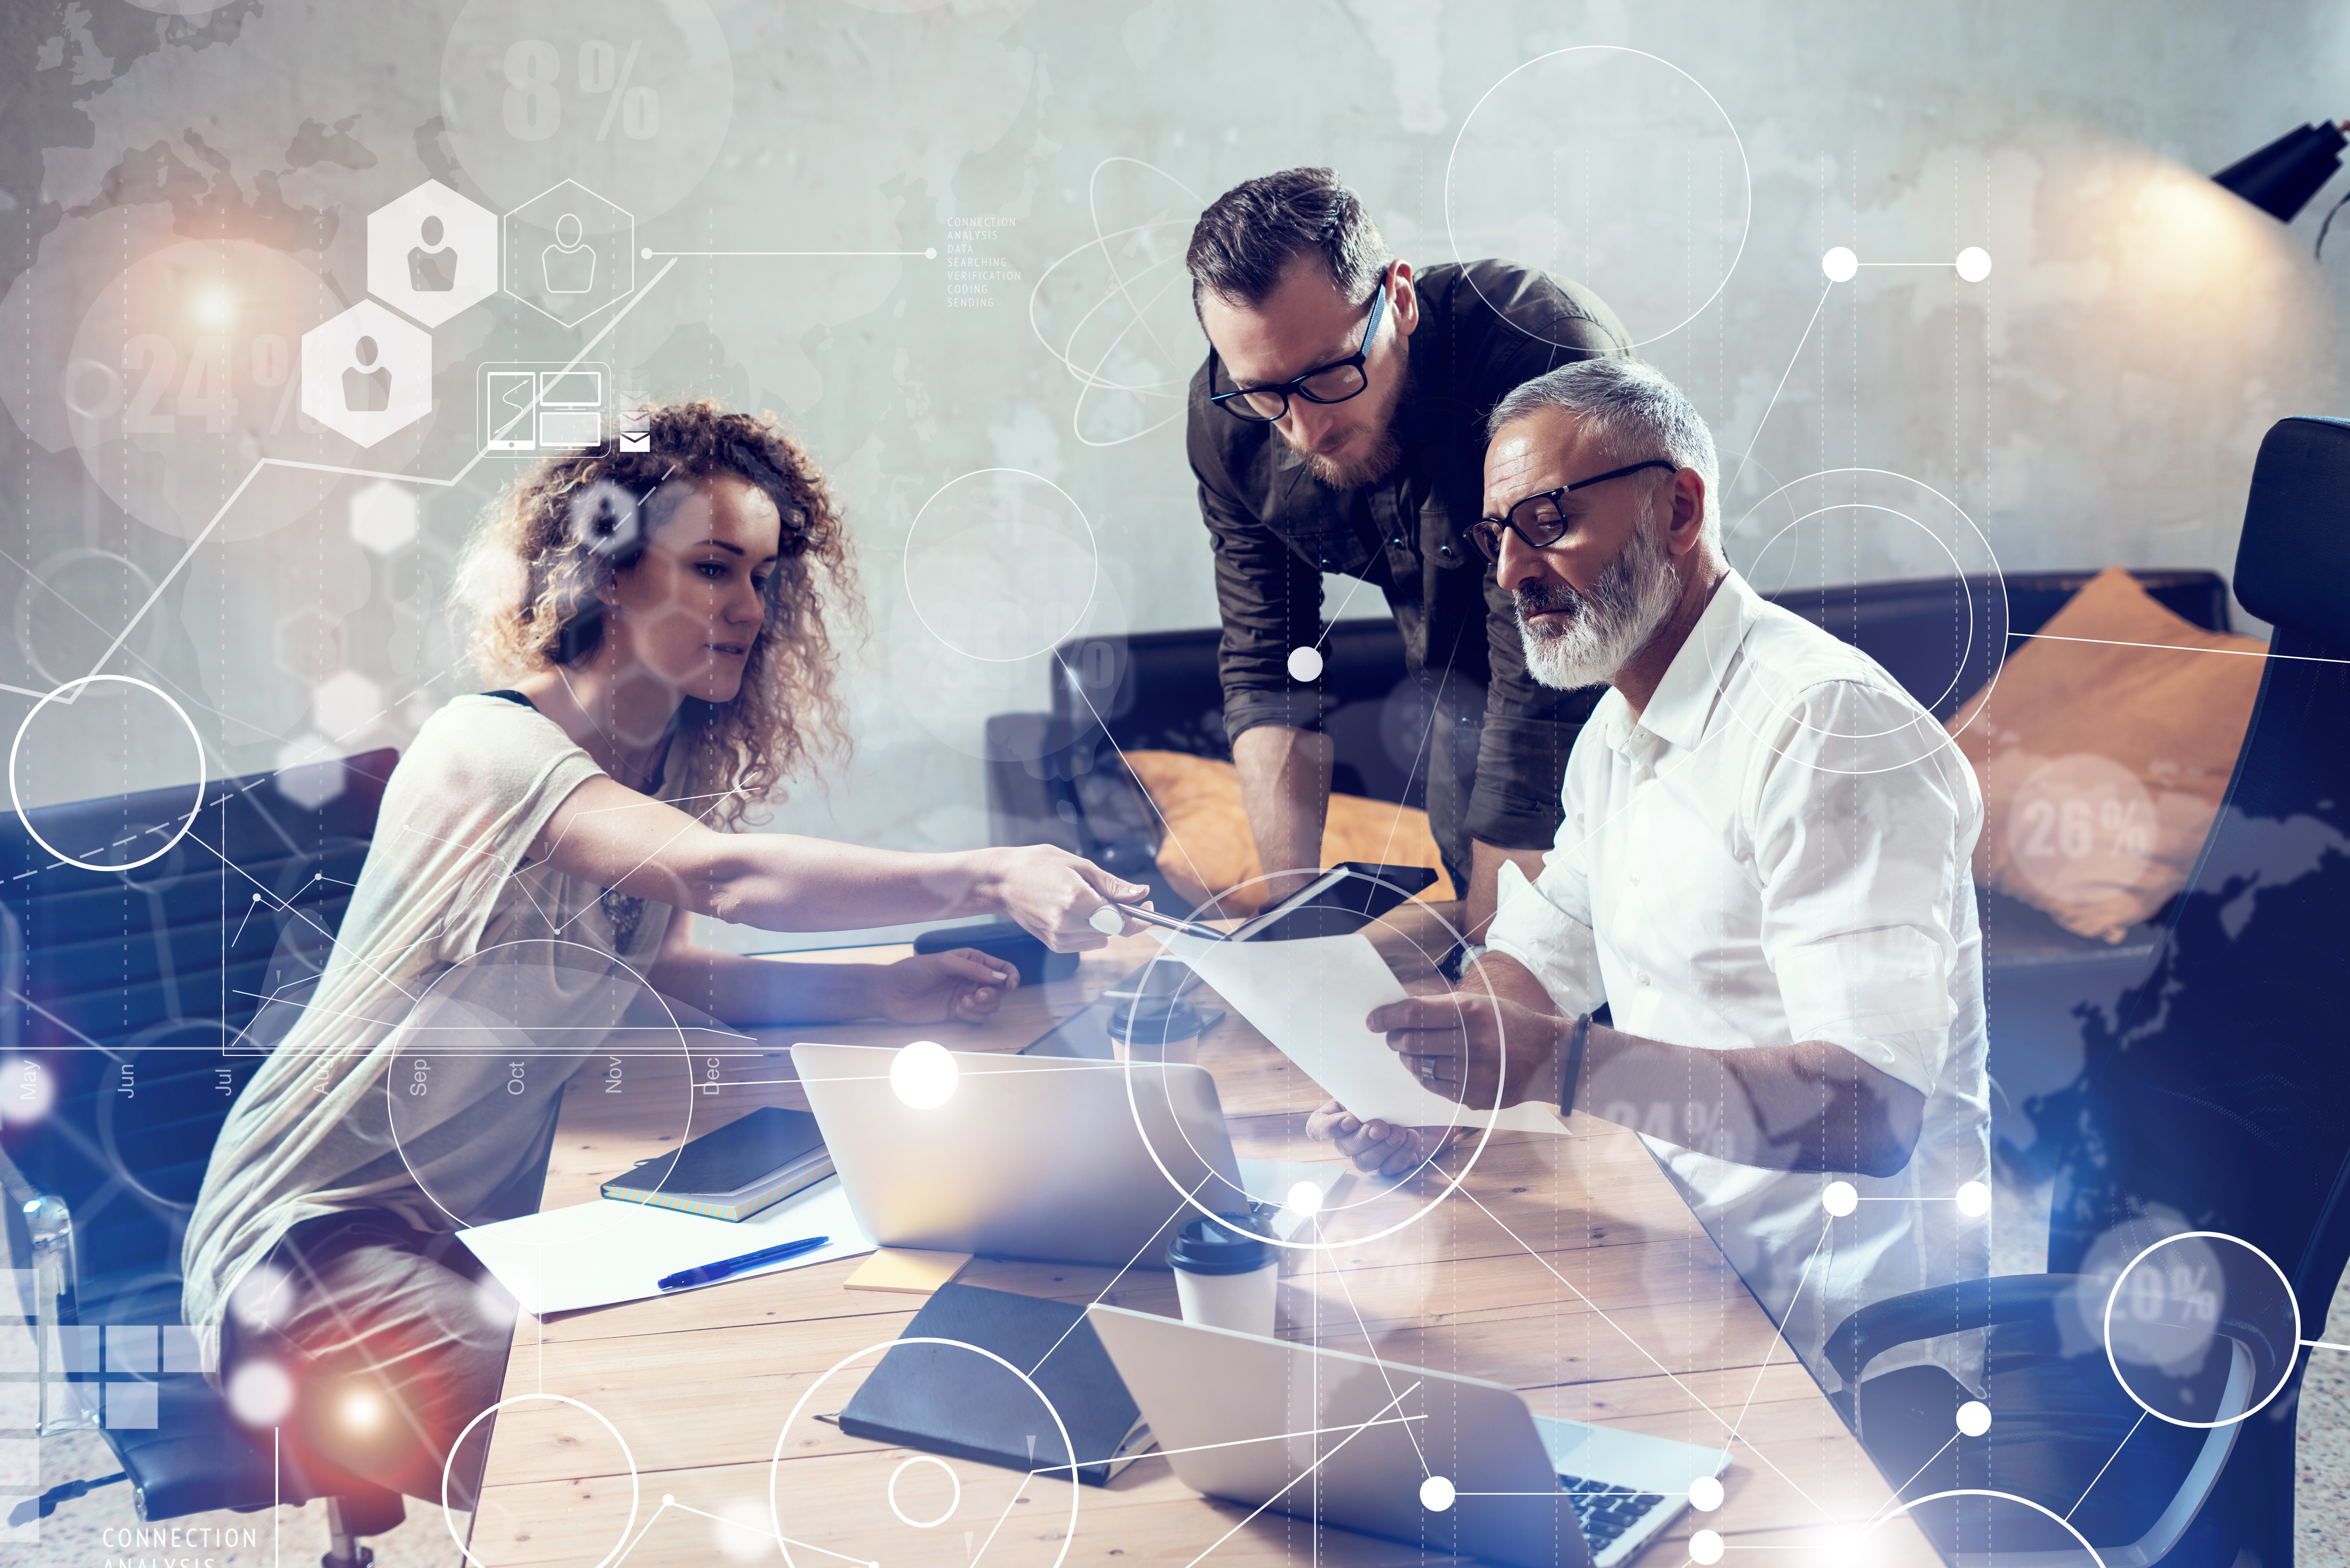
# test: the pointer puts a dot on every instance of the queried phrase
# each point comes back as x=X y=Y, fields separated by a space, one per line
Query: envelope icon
x=636 y=441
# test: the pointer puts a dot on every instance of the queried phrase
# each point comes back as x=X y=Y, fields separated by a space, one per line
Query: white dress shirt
x=1776 y=850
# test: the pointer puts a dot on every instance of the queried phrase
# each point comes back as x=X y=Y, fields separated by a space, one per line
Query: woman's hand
x=1376 y=1148
x=930 y=988
x=1054 y=895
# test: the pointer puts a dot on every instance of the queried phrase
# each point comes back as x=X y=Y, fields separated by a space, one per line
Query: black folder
x=950 y=1400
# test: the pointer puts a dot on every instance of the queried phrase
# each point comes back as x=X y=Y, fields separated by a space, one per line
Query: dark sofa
x=1054 y=776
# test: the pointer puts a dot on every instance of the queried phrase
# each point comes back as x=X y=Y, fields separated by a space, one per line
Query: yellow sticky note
x=906 y=1269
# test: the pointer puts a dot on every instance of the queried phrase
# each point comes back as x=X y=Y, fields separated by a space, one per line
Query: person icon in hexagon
x=432 y=266
x=366 y=392
x=569 y=263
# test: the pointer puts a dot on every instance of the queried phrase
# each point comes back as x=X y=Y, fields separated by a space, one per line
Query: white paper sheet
x=1309 y=998
x=595 y=1254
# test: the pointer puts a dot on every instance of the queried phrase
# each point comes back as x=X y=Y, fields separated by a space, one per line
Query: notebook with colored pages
x=750 y=1164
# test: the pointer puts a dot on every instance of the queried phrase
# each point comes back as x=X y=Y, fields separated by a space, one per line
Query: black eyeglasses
x=1539 y=520
x=1331 y=383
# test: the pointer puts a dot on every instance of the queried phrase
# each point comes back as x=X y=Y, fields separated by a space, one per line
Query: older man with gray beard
x=1761 y=875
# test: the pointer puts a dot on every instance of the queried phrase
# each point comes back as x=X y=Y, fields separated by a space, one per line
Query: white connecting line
x=254 y=472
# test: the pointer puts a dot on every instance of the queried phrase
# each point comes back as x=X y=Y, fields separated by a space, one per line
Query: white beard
x=1612 y=623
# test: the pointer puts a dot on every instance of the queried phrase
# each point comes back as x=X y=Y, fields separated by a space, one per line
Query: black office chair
x=128 y=991
x=2217 y=1099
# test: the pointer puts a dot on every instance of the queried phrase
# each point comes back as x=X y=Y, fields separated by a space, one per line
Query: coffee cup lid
x=1225 y=1244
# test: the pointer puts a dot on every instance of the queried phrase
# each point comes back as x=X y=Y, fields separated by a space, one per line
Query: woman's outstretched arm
x=610 y=835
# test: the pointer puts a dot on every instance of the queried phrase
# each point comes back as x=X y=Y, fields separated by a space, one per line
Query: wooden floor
x=1564 y=1266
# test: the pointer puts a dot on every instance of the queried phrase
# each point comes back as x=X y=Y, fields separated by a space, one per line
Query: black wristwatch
x=1571 y=1077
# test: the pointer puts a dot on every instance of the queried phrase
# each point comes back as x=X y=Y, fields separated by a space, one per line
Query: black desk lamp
x=2281 y=177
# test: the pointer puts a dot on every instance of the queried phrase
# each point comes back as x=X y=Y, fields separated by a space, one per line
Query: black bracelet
x=1571 y=1078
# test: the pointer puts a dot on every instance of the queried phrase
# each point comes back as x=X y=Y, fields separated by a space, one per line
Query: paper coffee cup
x=1226 y=1274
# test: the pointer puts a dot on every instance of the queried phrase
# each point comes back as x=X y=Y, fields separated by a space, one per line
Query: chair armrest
x=1930 y=1314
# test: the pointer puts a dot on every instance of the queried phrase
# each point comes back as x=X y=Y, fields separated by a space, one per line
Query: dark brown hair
x=1243 y=243
x=536 y=573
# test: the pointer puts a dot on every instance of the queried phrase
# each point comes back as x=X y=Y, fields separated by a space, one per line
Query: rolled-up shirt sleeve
x=1857 y=864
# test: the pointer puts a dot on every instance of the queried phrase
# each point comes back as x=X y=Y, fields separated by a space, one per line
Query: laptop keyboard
x=1606 y=1512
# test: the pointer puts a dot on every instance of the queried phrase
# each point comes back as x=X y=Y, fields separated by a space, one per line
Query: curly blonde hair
x=535 y=575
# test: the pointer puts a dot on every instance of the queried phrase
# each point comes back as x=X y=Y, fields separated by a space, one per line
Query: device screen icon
x=512 y=403
x=571 y=408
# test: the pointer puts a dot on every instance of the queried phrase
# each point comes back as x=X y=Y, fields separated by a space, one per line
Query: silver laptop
x=1027 y=1157
x=1447 y=1463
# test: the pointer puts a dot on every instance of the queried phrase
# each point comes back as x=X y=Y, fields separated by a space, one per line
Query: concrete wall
x=2096 y=399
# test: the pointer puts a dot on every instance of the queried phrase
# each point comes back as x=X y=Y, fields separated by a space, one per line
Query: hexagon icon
x=383 y=517
x=345 y=704
x=309 y=770
x=432 y=253
x=367 y=373
x=569 y=253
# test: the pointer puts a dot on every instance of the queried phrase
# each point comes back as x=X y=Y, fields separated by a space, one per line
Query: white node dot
x=1841 y=1198
x=1705 y=1494
x=923 y=1076
x=932 y=253
x=260 y=1393
x=1974 y=264
x=1974 y=1198
x=1305 y=664
x=647 y=253
x=1436 y=1494
x=1304 y=1197
x=1840 y=263
x=1705 y=1546
x=669 y=1500
x=1974 y=1418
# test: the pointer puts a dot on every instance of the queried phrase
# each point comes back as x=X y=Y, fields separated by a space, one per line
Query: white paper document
x=1309 y=998
x=593 y=1254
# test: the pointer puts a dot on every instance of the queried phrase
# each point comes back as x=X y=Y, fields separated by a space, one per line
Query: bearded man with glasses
x=1337 y=426
x=1761 y=884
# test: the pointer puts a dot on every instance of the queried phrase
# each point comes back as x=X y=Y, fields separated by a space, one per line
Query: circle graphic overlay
x=1705 y=1494
x=2058 y=1535
x=860 y=1490
x=1850 y=525
x=1974 y=264
x=186 y=370
x=128 y=842
x=1608 y=166
x=631 y=99
x=1362 y=1219
x=460 y=1061
x=2202 y=1329
x=1840 y=265
x=636 y=1485
x=1116 y=312
x=954 y=1494
x=1000 y=565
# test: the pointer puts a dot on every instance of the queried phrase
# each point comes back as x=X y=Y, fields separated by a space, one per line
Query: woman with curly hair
x=662 y=620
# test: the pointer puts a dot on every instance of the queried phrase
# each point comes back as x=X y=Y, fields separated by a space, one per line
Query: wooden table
x=1564 y=1266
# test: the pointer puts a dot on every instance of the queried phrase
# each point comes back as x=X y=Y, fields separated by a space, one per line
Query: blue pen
x=727 y=1267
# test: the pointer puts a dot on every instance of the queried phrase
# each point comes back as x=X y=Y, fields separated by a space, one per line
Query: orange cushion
x=1207 y=848
x=2102 y=765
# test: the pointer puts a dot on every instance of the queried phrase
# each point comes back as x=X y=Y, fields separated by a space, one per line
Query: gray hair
x=1629 y=405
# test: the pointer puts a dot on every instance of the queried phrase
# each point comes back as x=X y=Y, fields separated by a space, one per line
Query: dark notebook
x=954 y=1401
x=750 y=1164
